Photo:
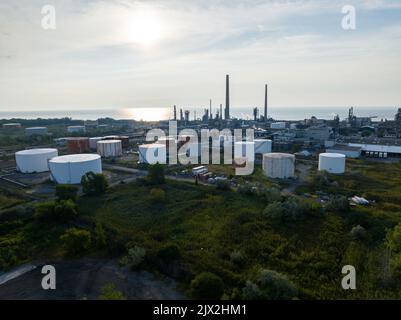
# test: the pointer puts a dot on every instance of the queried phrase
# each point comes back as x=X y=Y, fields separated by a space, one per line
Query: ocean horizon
x=154 y=114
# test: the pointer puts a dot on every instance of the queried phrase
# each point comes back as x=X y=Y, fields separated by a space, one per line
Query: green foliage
x=207 y=286
x=321 y=179
x=157 y=195
x=358 y=233
x=292 y=209
x=338 y=204
x=94 y=183
x=393 y=239
x=270 y=285
x=156 y=174
x=169 y=252
x=223 y=185
x=109 y=292
x=67 y=192
x=134 y=258
x=76 y=241
x=52 y=211
x=237 y=258
x=100 y=236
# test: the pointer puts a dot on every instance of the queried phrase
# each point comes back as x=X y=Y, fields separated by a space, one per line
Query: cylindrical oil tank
x=69 y=169
x=279 y=165
x=34 y=160
x=124 y=141
x=332 y=162
x=78 y=145
x=35 y=131
x=152 y=153
x=74 y=129
x=93 y=142
x=263 y=146
x=110 y=148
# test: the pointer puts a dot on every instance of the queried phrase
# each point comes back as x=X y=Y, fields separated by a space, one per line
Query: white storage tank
x=279 y=165
x=34 y=160
x=36 y=131
x=69 y=169
x=263 y=146
x=110 y=148
x=332 y=162
x=74 y=129
x=152 y=153
x=93 y=142
x=245 y=149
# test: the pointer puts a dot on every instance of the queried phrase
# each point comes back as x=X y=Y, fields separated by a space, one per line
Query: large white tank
x=279 y=165
x=263 y=146
x=93 y=142
x=34 y=160
x=332 y=162
x=110 y=148
x=35 y=131
x=152 y=153
x=69 y=169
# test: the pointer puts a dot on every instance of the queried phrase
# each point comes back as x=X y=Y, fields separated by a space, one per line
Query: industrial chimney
x=227 y=110
x=265 y=102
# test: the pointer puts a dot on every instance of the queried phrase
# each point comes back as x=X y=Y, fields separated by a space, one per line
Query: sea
x=155 y=114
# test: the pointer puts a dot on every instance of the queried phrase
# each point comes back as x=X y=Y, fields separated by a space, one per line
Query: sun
x=144 y=28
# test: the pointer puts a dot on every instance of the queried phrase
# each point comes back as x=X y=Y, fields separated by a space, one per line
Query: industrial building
x=12 y=126
x=78 y=145
x=75 y=129
x=69 y=169
x=152 y=153
x=279 y=165
x=40 y=131
x=34 y=160
x=332 y=162
x=110 y=148
x=278 y=125
x=263 y=146
x=349 y=152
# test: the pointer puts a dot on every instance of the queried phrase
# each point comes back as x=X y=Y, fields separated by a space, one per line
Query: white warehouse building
x=69 y=169
x=110 y=148
x=263 y=146
x=152 y=153
x=279 y=165
x=332 y=162
x=34 y=160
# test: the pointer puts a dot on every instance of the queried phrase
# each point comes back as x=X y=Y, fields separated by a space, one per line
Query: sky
x=159 y=53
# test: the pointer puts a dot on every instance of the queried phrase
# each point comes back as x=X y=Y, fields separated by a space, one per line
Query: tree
x=109 y=292
x=65 y=210
x=251 y=291
x=207 y=286
x=358 y=233
x=237 y=258
x=222 y=184
x=94 y=183
x=76 y=241
x=291 y=210
x=67 y=192
x=169 y=252
x=156 y=174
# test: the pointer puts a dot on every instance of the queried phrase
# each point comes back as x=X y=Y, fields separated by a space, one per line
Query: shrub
x=156 y=174
x=100 y=236
x=251 y=291
x=275 y=286
x=67 y=192
x=338 y=204
x=169 y=252
x=94 y=183
x=245 y=189
x=134 y=257
x=109 y=292
x=272 y=195
x=393 y=239
x=291 y=210
x=358 y=233
x=223 y=185
x=321 y=179
x=65 y=210
x=237 y=258
x=207 y=286
x=76 y=241
x=157 y=195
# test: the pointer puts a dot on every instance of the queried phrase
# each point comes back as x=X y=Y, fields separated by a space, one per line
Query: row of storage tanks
x=109 y=146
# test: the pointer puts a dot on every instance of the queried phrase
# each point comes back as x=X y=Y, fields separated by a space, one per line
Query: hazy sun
x=144 y=28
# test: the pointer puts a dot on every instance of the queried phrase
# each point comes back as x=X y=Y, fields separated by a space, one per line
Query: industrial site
x=104 y=182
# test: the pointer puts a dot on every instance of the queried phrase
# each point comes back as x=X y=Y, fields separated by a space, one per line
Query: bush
x=246 y=189
x=94 y=183
x=237 y=258
x=100 y=236
x=157 y=195
x=272 y=195
x=358 y=233
x=134 y=258
x=393 y=239
x=292 y=209
x=109 y=292
x=156 y=174
x=338 y=204
x=67 y=192
x=321 y=179
x=207 y=286
x=169 y=252
x=223 y=184
x=65 y=210
x=270 y=285
x=76 y=241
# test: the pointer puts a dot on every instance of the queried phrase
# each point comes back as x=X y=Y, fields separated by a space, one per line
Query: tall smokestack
x=210 y=109
x=227 y=110
x=265 y=102
x=221 y=111
x=175 y=113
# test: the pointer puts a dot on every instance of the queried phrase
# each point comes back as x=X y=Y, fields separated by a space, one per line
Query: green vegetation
x=207 y=286
x=156 y=174
x=76 y=242
x=109 y=292
x=67 y=192
x=94 y=183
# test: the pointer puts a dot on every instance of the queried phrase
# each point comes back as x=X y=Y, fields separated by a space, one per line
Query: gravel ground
x=83 y=279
